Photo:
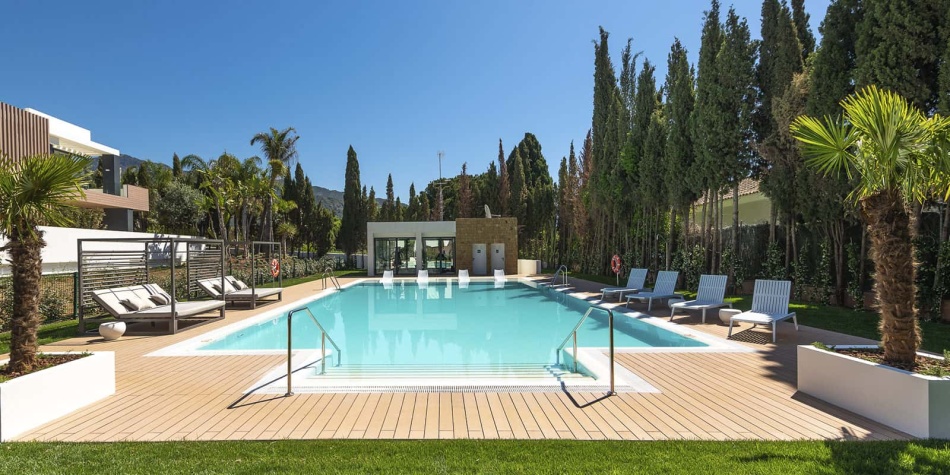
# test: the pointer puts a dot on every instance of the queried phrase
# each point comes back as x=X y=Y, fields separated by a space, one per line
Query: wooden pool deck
x=715 y=396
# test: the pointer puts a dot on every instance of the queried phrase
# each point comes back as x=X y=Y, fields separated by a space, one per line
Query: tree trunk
x=890 y=230
x=26 y=266
x=671 y=238
x=772 y=223
x=837 y=239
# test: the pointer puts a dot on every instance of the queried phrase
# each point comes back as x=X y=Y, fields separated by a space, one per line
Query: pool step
x=433 y=371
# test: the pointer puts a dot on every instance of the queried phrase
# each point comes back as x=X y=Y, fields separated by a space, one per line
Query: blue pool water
x=446 y=325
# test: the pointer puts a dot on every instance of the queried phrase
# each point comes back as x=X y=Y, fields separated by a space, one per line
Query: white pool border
x=594 y=359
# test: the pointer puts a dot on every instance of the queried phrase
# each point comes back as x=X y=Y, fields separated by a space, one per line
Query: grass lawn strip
x=473 y=456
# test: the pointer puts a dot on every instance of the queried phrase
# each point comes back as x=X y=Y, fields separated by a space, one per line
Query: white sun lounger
x=769 y=305
x=233 y=294
x=664 y=288
x=464 y=278
x=500 y=275
x=423 y=277
x=712 y=290
x=387 y=277
x=111 y=301
x=635 y=282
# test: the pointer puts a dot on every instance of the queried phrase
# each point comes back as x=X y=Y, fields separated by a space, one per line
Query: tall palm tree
x=897 y=157
x=34 y=191
x=280 y=149
x=214 y=179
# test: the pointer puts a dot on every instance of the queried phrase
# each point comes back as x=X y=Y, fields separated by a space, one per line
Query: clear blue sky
x=397 y=80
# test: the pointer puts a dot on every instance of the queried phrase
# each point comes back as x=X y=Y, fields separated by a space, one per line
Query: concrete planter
x=30 y=401
x=908 y=402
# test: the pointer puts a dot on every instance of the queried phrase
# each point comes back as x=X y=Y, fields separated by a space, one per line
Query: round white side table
x=726 y=313
x=112 y=330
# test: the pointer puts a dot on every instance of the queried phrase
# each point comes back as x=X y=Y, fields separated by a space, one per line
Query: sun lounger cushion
x=159 y=299
x=134 y=303
x=110 y=300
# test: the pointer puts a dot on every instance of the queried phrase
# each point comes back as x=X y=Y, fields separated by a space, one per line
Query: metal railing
x=561 y=271
x=323 y=346
x=573 y=335
x=328 y=274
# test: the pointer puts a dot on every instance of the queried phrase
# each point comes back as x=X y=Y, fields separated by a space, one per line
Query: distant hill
x=333 y=200
x=125 y=162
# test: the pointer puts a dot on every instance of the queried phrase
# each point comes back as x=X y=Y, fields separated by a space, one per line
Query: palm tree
x=34 y=191
x=897 y=157
x=214 y=179
x=280 y=149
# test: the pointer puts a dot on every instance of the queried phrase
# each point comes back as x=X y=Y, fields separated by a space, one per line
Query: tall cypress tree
x=425 y=213
x=412 y=211
x=353 y=222
x=464 y=194
x=706 y=113
x=516 y=203
x=371 y=206
x=679 y=152
x=780 y=58
x=834 y=63
x=563 y=210
x=899 y=46
x=388 y=212
x=504 y=184
x=176 y=166
x=805 y=37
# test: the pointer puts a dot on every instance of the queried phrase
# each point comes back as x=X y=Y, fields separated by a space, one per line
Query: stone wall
x=469 y=231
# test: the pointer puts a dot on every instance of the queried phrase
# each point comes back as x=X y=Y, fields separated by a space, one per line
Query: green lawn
x=48 y=334
x=479 y=456
x=311 y=278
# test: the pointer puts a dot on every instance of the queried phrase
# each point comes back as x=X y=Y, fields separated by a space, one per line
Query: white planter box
x=912 y=403
x=30 y=401
x=529 y=267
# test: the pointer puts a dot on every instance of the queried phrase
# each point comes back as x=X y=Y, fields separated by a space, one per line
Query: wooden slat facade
x=22 y=134
x=713 y=396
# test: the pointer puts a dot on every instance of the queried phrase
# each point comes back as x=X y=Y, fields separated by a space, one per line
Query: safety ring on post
x=274 y=267
x=615 y=264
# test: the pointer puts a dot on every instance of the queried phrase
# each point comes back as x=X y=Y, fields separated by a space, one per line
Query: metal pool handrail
x=328 y=272
x=573 y=334
x=323 y=345
x=562 y=274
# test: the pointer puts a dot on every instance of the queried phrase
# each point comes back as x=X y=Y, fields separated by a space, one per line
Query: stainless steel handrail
x=573 y=335
x=328 y=272
x=323 y=345
x=563 y=275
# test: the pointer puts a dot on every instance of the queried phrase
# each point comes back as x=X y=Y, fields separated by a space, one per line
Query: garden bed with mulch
x=43 y=361
x=923 y=365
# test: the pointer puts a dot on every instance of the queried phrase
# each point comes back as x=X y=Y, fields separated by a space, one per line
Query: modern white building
x=406 y=247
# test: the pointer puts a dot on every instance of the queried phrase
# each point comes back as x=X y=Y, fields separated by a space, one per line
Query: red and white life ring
x=274 y=267
x=615 y=264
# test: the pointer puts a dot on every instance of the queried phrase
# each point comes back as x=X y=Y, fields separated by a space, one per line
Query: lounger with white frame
x=711 y=292
x=500 y=275
x=635 y=282
x=664 y=288
x=387 y=277
x=464 y=277
x=769 y=305
x=235 y=291
x=423 y=277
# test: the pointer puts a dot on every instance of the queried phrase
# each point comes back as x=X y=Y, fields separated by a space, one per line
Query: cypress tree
x=388 y=212
x=398 y=214
x=176 y=166
x=464 y=194
x=943 y=105
x=504 y=184
x=425 y=213
x=563 y=210
x=353 y=222
x=364 y=217
x=412 y=211
x=834 y=63
x=805 y=37
x=707 y=91
x=516 y=204
x=780 y=58
x=679 y=152
x=899 y=46
x=372 y=207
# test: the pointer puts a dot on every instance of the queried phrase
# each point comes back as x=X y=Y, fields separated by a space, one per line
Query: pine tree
x=353 y=222
x=834 y=63
x=465 y=194
x=899 y=46
x=176 y=166
x=504 y=184
x=803 y=30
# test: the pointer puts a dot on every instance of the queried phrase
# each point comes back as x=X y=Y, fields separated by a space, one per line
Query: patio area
x=712 y=396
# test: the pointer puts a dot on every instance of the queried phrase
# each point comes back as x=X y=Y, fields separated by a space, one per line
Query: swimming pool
x=478 y=328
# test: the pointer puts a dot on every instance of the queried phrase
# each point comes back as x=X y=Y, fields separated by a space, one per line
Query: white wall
x=410 y=229
x=60 y=253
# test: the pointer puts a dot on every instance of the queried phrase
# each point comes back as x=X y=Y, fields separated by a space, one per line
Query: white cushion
x=159 y=299
x=136 y=304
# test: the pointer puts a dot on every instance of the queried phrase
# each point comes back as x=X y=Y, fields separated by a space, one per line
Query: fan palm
x=280 y=149
x=34 y=191
x=897 y=157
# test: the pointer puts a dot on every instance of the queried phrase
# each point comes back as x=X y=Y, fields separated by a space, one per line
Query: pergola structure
x=108 y=263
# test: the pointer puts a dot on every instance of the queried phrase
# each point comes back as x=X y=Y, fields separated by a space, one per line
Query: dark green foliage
x=371 y=207
x=354 y=219
x=899 y=46
x=679 y=153
x=504 y=183
x=780 y=57
x=517 y=205
x=706 y=114
x=465 y=204
x=388 y=211
x=832 y=79
x=176 y=166
x=805 y=36
x=178 y=210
